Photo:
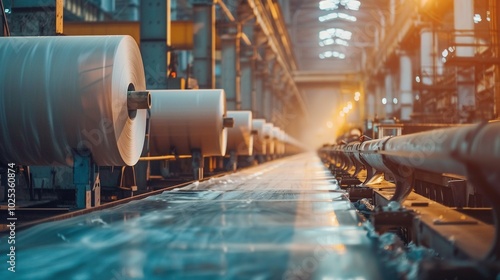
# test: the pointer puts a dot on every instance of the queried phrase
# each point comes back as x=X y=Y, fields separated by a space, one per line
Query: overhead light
x=384 y=100
x=346 y=110
x=349 y=105
x=477 y=18
x=356 y=98
x=335 y=33
x=332 y=54
x=342 y=16
x=395 y=100
x=417 y=79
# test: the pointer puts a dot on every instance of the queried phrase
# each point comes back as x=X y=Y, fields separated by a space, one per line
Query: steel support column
x=230 y=65
x=247 y=64
x=270 y=61
x=379 y=108
x=464 y=39
x=155 y=41
x=495 y=25
x=204 y=43
x=268 y=99
x=370 y=105
x=260 y=85
x=277 y=106
x=388 y=94
x=427 y=56
x=155 y=19
x=405 y=86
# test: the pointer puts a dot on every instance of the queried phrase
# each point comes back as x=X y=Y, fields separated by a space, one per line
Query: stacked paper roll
x=259 y=142
x=65 y=95
x=185 y=120
x=268 y=135
x=239 y=137
x=278 y=141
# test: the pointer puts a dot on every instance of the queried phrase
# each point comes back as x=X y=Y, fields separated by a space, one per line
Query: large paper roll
x=66 y=95
x=278 y=140
x=184 y=120
x=259 y=142
x=239 y=137
x=267 y=130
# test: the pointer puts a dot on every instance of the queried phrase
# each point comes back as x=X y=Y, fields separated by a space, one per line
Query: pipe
x=138 y=100
x=165 y=157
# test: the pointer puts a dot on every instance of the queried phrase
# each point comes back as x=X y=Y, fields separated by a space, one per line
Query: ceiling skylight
x=331 y=41
x=337 y=16
x=332 y=54
x=336 y=4
x=335 y=33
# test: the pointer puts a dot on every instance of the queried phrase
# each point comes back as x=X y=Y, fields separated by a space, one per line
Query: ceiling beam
x=328 y=77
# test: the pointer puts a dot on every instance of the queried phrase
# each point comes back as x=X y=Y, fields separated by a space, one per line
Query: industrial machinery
x=434 y=186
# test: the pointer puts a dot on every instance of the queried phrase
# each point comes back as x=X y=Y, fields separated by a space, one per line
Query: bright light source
x=7 y=11
x=451 y=49
x=352 y=5
x=331 y=54
x=346 y=110
x=417 y=97
x=395 y=100
x=337 y=16
x=357 y=95
x=445 y=53
x=328 y=5
x=329 y=124
x=335 y=4
x=417 y=79
x=477 y=18
x=349 y=105
x=335 y=33
x=384 y=100
x=331 y=41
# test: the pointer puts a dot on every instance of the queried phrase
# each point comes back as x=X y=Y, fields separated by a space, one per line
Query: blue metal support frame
x=85 y=176
x=204 y=43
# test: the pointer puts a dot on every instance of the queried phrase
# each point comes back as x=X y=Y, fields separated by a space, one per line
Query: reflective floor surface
x=285 y=219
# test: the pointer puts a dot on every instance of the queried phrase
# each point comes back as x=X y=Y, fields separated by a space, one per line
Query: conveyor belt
x=282 y=220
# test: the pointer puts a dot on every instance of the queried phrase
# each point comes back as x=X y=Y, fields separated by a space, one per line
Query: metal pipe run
x=472 y=151
x=138 y=100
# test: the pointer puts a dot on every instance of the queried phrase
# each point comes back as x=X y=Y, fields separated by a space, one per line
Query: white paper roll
x=61 y=95
x=278 y=140
x=259 y=143
x=267 y=130
x=184 y=120
x=239 y=137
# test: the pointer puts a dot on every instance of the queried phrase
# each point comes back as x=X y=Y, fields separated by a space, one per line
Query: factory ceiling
x=337 y=39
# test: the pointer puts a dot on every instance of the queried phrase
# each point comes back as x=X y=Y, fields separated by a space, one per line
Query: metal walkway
x=285 y=219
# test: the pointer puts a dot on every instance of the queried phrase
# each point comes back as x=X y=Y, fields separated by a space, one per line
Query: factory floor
x=286 y=219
